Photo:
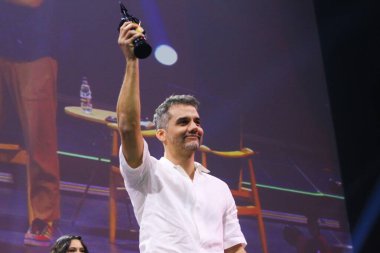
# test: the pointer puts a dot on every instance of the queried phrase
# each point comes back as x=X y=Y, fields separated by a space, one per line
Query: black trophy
x=141 y=48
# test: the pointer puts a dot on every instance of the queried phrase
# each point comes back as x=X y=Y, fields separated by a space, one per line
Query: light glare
x=166 y=55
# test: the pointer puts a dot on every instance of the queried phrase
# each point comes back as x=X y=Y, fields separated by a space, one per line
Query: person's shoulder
x=215 y=180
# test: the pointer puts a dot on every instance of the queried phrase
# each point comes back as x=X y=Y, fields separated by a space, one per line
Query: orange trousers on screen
x=32 y=87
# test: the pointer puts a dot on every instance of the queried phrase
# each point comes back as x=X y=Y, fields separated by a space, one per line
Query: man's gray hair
x=161 y=115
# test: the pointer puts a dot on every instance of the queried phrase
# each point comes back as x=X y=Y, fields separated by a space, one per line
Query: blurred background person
x=28 y=73
x=315 y=242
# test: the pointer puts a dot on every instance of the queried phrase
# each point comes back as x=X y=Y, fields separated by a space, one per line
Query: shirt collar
x=198 y=167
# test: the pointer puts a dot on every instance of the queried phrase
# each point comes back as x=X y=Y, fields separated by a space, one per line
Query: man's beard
x=192 y=146
x=184 y=144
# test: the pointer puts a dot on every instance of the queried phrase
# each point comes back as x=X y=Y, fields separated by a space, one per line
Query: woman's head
x=69 y=243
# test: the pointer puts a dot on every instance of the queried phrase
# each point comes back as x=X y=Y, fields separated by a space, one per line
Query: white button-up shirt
x=177 y=214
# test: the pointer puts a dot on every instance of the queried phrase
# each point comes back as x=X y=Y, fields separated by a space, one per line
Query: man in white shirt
x=178 y=205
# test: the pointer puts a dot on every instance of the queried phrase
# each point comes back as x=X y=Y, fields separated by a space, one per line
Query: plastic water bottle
x=85 y=96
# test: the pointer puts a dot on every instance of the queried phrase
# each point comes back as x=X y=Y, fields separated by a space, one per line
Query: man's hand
x=129 y=31
x=236 y=249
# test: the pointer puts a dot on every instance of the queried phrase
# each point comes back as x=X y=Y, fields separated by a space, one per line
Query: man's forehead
x=183 y=110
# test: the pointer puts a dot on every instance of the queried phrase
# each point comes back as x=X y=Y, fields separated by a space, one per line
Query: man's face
x=183 y=130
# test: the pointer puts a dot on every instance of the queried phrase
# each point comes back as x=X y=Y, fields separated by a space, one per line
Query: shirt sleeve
x=133 y=176
x=135 y=180
x=232 y=230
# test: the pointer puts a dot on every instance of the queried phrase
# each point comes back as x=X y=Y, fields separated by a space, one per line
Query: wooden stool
x=14 y=154
x=251 y=194
x=108 y=118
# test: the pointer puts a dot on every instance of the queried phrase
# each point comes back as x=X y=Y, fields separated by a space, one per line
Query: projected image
x=255 y=68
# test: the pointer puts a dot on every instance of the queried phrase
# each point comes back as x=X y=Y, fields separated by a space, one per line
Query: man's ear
x=161 y=134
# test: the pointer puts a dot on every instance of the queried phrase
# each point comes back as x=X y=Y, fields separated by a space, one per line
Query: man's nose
x=194 y=127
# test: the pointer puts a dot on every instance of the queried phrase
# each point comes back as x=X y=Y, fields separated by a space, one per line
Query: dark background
x=349 y=34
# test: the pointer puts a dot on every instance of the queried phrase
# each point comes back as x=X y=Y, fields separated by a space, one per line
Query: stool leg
x=83 y=198
x=112 y=188
x=263 y=237
x=256 y=199
x=112 y=206
x=29 y=202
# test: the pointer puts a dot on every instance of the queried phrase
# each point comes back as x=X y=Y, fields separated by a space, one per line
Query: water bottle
x=85 y=96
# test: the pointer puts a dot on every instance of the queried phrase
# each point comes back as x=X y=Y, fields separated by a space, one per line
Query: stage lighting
x=166 y=55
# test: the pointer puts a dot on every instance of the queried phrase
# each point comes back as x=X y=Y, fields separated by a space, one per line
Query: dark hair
x=161 y=115
x=62 y=244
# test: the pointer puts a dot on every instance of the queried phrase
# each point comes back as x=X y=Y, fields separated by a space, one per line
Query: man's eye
x=183 y=122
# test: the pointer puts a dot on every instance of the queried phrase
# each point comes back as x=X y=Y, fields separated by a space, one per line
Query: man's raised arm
x=128 y=104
